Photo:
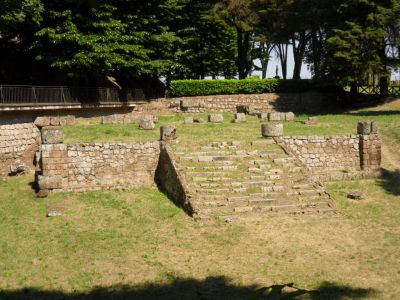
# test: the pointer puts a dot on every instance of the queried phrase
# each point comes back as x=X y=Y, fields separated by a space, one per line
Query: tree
x=239 y=15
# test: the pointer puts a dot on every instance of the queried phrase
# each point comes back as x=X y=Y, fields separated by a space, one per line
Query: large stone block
x=188 y=120
x=191 y=103
x=49 y=182
x=168 y=133
x=52 y=136
x=42 y=121
x=290 y=116
x=216 y=118
x=272 y=130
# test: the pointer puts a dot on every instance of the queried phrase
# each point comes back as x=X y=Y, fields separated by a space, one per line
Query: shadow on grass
x=390 y=181
x=191 y=289
x=375 y=113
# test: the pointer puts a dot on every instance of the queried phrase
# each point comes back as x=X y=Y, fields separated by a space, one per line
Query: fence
x=21 y=95
x=375 y=90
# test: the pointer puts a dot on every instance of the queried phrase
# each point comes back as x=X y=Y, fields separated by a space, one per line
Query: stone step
x=206 y=174
x=210 y=179
x=263 y=143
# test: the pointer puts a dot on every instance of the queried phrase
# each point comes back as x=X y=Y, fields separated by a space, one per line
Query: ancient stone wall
x=18 y=142
x=99 y=166
x=268 y=102
x=321 y=152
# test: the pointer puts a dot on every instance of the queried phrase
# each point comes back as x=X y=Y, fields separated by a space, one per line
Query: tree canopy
x=82 y=42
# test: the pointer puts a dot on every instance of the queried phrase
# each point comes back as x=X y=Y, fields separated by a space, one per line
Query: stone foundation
x=18 y=142
x=99 y=166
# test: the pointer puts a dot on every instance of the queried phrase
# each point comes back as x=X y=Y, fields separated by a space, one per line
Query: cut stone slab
x=216 y=118
x=53 y=213
x=52 y=136
x=263 y=116
x=18 y=168
x=188 y=120
x=311 y=121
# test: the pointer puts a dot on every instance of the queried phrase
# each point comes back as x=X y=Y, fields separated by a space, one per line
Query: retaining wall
x=18 y=143
x=99 y=166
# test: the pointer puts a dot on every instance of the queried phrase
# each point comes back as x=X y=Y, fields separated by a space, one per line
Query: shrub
x=183 y=88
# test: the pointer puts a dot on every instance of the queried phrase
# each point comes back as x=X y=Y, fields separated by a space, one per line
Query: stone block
x=42 y=121
x=289 y=116
x=188 y=120
x=216 y=118
x=263 y=116
x=146 y=124
x=52 y=136
x=272 y=130
x=311 y=121
x=191 y=103
x=274 y=116
x=49 y=182
x=240 y=118
x=374 y=128
x=168 y=133
x=55 y=121
x=70 y=120
x=364 y=127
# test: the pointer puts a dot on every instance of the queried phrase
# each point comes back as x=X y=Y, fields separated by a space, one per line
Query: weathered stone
x=289 y=116
x=240 y=118
x=146 y=124
x=272 y=130
x=188 y=120
x=53 y=213
x=42 y=121
x=168 y=133
x=49 y=182
x=263 y=116
x=190 y=103
x=364 y=127
x=55 y=121
x=42 y=193
x=52 y=136
x=355 y=195
x=70 y=120
x=17 y=168
x=374 y=128
x=216 y=118
x=274 y=116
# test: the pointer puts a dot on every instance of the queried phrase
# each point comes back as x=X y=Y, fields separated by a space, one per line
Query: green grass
x=138 y=237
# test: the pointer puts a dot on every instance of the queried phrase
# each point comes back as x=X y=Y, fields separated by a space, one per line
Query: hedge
x=183 y=88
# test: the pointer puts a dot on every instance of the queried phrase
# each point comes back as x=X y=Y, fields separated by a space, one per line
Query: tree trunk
x=353 y=89
x=298 y=53
x=384 y=86
x=243 y=39
x=282 y=52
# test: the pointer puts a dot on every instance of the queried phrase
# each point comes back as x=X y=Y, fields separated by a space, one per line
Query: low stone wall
x=319 y=152
x=349 y=154
x=99 y=166
x=269 y=102
x=18 y=142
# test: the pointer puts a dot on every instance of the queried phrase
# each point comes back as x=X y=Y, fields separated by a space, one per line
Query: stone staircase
x=242 y=178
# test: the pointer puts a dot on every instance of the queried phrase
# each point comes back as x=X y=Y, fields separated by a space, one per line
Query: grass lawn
x=137 y=245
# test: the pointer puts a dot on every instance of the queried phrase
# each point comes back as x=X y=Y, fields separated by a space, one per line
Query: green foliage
x=181 y=88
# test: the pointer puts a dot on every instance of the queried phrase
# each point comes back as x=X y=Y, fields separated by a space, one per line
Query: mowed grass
x=137 y=245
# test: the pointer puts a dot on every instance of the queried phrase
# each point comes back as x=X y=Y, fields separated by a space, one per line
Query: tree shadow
x=375 y=113
x=212 y=288
x=390 y=181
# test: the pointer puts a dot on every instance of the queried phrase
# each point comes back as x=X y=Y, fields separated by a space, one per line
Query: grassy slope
x=138 y=237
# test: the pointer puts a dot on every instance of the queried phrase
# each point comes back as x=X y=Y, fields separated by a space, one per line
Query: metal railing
x=23 y=95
